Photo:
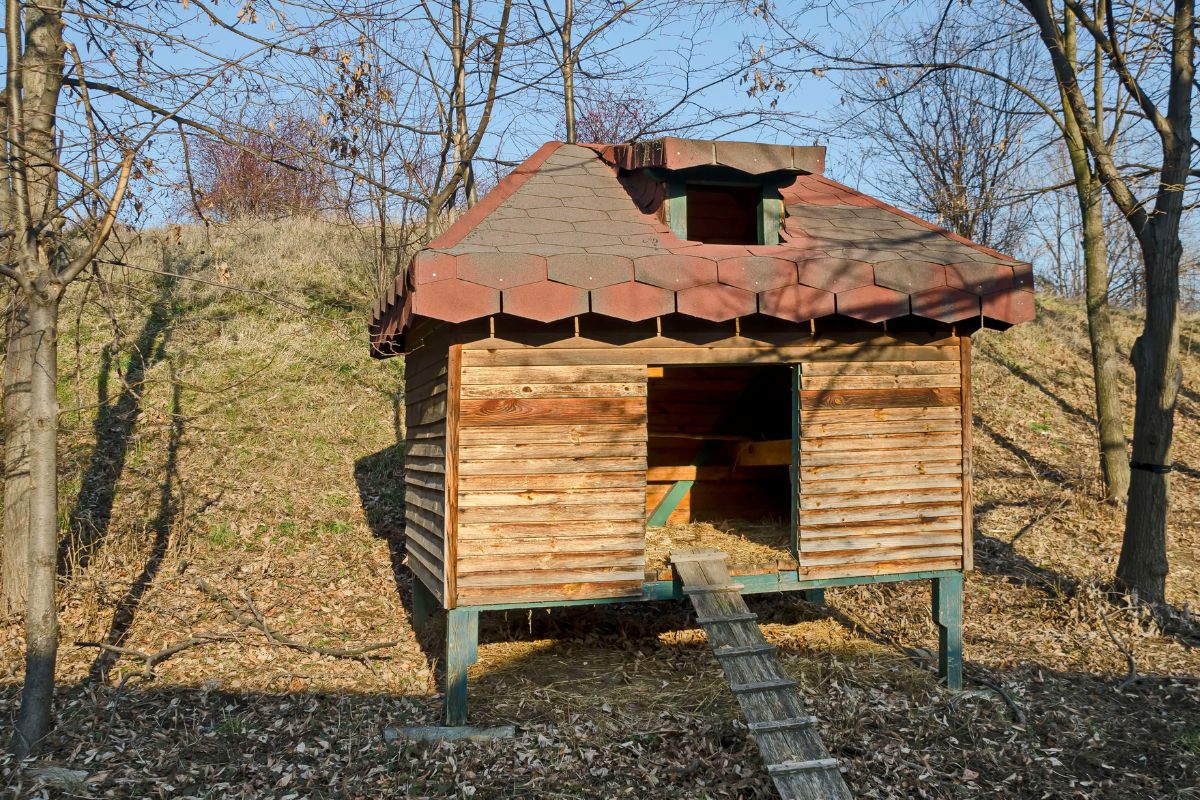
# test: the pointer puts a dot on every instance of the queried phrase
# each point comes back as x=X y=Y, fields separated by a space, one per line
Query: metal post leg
x=814 y=596
x=462 y=649
x=948 y=614
x=424 y=605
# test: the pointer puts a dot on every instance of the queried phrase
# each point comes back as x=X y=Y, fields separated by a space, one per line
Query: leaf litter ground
x=282 y=498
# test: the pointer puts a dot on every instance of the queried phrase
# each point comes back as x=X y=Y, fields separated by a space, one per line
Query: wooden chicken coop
x=621 y=345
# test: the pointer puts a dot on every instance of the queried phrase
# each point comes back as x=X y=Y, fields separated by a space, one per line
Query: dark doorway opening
x=723 y=214
x=728 y=430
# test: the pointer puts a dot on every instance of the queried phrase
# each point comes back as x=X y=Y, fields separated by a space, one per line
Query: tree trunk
x=18 y=368
x=41 y=618
x=1114 y=463
x=1114 y=459
x=1142 y=567
x=567 y=64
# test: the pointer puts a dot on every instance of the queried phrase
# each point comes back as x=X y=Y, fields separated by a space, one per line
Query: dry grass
x=259 y=455
x=752 y=546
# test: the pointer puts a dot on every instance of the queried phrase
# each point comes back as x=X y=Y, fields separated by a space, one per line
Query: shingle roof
x=577 y=228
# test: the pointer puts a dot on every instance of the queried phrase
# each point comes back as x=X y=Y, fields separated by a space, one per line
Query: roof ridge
x=913 y=218
x=466 y=223
x=492 y=200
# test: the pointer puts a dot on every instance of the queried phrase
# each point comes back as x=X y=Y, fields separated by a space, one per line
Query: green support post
x=948 y=614
x=424 y=605
x=814 y=596
x=462 y=650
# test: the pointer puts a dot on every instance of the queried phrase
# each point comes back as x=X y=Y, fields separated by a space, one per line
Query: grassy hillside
x=229 y=448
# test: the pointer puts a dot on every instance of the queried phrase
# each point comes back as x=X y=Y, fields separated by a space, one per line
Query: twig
x=1051 y=514
x=258 y=622
x=1017 y=712
x=1163 y=678
x=151 y=660
x=1132 y=676
x=924 y=659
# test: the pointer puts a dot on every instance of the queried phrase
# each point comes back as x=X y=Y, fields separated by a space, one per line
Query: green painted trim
x=795 y=470
x=716 y=173
x=462 y=650
x=675 y=495
x=677 y=207
x=424 y=604
x=462 y=623
x=770 y=204
x=753 y=584
x=814 y=596
x=770 y=215
x=670 y=501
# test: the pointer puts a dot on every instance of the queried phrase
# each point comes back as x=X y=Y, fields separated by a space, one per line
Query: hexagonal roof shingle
x=580 y=228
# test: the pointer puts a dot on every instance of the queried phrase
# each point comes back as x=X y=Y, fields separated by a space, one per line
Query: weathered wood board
x=882 y=460
x=552 y=482
x=426 y=407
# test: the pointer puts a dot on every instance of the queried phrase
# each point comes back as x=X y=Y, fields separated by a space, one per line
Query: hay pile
x=753 y=547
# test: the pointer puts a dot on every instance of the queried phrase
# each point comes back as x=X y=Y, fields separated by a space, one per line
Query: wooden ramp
x=787 y=737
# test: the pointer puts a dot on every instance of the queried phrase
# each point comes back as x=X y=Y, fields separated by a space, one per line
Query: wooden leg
x=948 y=614
x=814 y=596
x=424 y=605
x=462 y=649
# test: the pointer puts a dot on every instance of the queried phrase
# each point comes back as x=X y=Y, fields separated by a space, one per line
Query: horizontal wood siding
x=882 y=467
x=425 y=409
x=551 y=481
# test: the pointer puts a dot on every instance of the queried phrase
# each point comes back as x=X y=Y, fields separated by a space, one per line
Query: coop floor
x=753 y=547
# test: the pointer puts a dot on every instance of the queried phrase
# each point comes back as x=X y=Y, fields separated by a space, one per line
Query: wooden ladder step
x=716 y=555
x=714 y=587
x=749 y=616
x=748 y=650
x=762 y=686
x=804 y=769
x=793 y=767
x=771 y=725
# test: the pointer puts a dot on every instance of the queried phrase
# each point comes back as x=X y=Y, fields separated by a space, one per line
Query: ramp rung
x=762 y=686
x=749 y=650
x=749 y=616
x=771 y=725
x=714 y=587
x=716 y=555
x=792 y=767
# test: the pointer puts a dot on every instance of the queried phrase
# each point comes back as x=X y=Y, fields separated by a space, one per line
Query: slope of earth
x=230 y=476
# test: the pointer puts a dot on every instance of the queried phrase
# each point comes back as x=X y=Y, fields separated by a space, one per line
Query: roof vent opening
x=724 y=213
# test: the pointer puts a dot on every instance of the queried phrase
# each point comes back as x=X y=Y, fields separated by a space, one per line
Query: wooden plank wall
x=426 y=384
x=881 y=463
x=552 y=481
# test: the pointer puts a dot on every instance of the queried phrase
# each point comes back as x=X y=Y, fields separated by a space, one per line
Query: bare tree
x=79 y=137
x=1150 y=53
x=614 y=115
x=1163 y=98
x=41 y=266
x=571 y=31
x=266 y=170
x=951 y=144
x=411 y=104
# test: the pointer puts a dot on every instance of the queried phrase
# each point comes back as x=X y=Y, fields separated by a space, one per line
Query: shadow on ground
x=115 y=427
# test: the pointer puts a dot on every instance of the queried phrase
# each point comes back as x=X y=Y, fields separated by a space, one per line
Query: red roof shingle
x=578 y=227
